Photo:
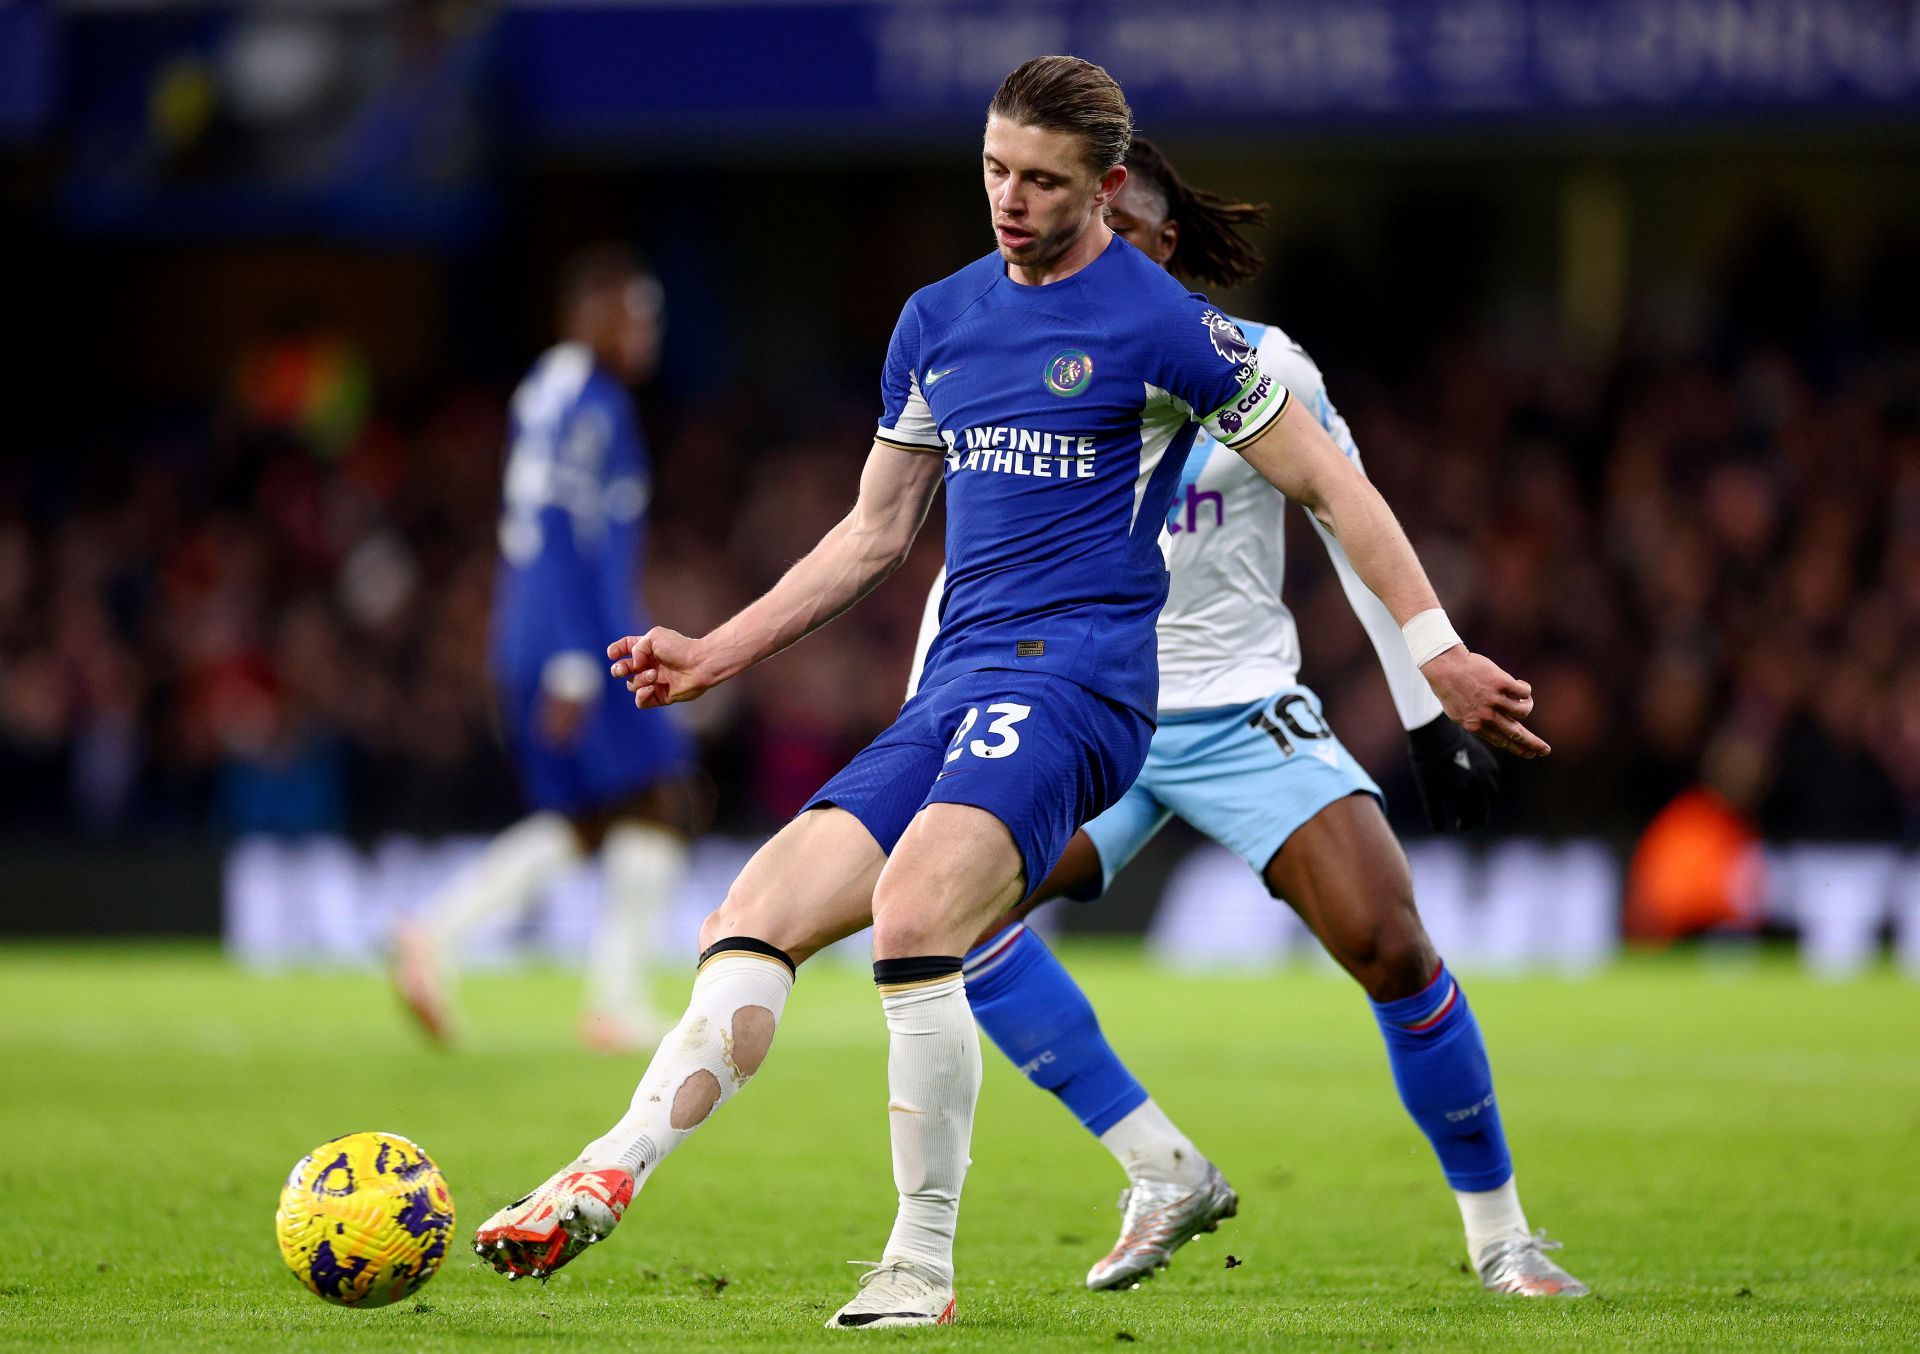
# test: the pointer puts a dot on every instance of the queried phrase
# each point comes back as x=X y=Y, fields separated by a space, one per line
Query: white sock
x=717 y=1046
x=641 y=866
x=1489 y=1215
x=933 y=1080
x=1149 y=1147
x=506 y=878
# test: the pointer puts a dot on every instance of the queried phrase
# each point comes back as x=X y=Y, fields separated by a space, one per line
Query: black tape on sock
x=747 y=945
x=925 y=968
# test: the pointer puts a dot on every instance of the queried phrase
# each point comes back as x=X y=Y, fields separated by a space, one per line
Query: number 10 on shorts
x=1004 y=715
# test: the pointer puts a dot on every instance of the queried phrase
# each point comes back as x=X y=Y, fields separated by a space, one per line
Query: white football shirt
x=1226 y=636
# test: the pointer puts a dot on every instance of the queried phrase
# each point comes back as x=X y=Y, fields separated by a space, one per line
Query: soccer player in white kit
x=1244 y=754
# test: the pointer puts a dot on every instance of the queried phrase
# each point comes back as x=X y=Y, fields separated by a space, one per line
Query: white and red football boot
x=534 y=1236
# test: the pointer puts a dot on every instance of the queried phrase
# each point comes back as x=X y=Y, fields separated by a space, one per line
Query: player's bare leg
x=505 y=879
x=1077 y=873
x=1343 y=871
x=1037 y=1015
x=808 y=887
x=954 y=869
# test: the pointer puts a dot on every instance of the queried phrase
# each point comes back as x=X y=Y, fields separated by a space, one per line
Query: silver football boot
x=1157 y=1220
x=1518 y=1265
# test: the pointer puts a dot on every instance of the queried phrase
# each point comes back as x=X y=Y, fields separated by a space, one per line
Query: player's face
x=1043 y=194
x=1139 y=213
x=633 y=328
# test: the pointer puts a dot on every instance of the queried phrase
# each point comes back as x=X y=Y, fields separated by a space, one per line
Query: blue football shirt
x=1065 y=413
x=572 y=521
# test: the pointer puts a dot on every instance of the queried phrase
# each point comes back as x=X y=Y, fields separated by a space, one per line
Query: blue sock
x=1037 y=1015
x=1440 y=1065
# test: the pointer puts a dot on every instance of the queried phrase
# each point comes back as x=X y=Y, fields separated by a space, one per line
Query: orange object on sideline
x=1697 y=867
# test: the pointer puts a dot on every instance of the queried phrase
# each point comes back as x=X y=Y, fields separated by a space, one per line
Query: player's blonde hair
x=1066 y=94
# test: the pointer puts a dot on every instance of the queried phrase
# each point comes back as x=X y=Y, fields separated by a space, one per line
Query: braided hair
x=1210 y=248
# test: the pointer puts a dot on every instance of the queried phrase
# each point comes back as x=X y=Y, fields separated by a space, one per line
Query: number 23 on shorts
x=1005 y=714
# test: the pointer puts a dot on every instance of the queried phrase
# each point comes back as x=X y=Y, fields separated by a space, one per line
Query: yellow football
x=364 y=1220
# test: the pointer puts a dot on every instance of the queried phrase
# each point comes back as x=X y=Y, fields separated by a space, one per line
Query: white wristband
x=1429 y=635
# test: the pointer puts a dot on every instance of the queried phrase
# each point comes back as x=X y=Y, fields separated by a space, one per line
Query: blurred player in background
x=1244 y=754
x=1056 y=386
x=599 y=777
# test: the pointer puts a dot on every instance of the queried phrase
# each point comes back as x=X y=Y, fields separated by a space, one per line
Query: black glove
x=1457 y=774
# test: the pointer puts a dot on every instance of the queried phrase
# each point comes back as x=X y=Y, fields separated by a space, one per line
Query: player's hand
x=562 y=721
x=1483 y=699
x=1457 y=775
x=661 y=667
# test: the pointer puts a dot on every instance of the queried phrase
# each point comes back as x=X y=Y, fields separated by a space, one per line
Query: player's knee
x=1394 y=958
x=905 y=932
x=747 y=910
x=1383 y=945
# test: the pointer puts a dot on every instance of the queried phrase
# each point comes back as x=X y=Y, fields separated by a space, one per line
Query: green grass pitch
x=1732 y=1155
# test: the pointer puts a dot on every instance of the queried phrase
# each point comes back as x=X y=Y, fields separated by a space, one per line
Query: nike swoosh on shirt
x=933 y=376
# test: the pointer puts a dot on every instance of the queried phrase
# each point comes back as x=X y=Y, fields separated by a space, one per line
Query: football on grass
x=364 y=1220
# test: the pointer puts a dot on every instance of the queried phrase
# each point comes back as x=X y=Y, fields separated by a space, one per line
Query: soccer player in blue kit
x=1056 y=386
x=1244 y=754
x=598 y=778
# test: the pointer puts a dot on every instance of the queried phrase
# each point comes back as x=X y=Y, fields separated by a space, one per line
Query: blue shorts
x=1246 y=775
x=1040 y=753
x=620 y=753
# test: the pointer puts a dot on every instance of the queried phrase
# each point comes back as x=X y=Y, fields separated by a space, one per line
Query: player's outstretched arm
x=1297 y=457
x=664 y=666
x=1457 y=775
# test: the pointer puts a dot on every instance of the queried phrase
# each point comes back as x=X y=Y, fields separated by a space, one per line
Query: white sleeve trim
x=915 y=428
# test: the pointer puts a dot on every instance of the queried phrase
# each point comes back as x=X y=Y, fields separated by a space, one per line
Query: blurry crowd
x=1710 y=572
x=273 y=616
